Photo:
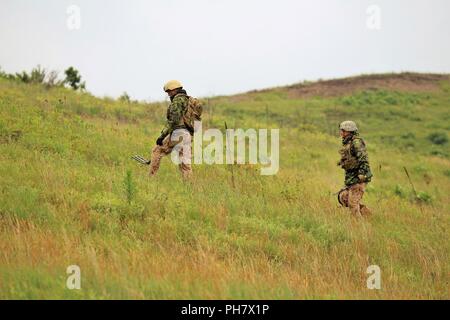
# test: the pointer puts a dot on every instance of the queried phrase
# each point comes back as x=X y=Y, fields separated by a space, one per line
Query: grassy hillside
x=64 y=158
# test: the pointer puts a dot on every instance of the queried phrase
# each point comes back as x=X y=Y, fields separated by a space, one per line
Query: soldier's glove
x=191 y=130
x=159 y=141
x=361 y=177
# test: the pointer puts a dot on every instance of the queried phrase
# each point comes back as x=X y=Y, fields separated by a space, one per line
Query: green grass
x=70 y=194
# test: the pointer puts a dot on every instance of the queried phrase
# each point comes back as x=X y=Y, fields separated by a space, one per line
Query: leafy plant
x=125 y=98
x=438 y=138
x=73 y=78
x=400 y=191
x=424 y=197
x=129 y=187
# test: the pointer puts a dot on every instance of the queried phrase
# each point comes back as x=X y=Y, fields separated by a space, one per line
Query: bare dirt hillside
x=405 y=82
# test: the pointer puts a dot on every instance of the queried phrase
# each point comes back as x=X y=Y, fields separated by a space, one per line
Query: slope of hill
x=404 y=82
x=65 y=198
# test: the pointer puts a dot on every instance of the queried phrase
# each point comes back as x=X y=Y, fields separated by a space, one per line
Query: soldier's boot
x=365 y=212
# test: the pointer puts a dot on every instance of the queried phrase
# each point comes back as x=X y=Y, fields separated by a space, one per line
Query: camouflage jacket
x=175 y=113
x=354 y=160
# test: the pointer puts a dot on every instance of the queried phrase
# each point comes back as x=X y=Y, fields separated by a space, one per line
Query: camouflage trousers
x=183 y=148
x=351 y=198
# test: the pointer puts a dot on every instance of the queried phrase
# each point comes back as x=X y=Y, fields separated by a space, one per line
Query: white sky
x=222 y=47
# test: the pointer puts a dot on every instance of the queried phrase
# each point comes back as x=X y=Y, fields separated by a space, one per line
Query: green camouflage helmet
x=348 y=126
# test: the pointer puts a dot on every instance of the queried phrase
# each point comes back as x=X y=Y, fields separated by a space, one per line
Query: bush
x=438 y=138
x=125 y=98
x=400 y=191
x=421 y=197
x=23 y=76
x=73 y=78
x=37 y=75
x=52 y=80
x=408 y=135
x=424 y=197
x=129 y=187
x=439 y=153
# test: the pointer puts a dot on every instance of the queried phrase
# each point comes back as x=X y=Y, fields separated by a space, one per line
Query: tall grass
x=70 y=195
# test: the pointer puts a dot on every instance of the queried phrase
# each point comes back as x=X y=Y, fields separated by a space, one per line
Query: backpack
x=192 y=113
x=348 y=159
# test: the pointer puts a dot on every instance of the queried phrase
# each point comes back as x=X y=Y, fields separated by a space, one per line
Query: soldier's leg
x=186 y=171
x=354 y=197
x=157 y=153
x=343 y=197
x=185 y=154
x=364 y=210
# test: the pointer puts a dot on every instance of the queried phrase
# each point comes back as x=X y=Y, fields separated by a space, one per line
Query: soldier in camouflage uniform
x=355 y=162
x=165 y=144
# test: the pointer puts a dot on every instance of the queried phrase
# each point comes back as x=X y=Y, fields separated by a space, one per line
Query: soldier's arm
x=360 y=152
x=174 y=114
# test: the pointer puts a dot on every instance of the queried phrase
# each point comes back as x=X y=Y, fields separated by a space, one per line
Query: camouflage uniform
x=355 y=162
x=174 y=122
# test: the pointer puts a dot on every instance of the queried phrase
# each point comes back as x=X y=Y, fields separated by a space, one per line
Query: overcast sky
x=222 y=46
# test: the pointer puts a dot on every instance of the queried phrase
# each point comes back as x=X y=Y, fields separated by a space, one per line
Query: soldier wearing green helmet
x=355 y=162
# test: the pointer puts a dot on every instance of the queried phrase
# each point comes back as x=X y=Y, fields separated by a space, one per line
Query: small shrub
x=348 y=101
x=129 y=187
x=424 y=197
x=125 y=97
x=52 y=80
x=73 y=78
x=439 y=153
x=400 y=191
x=438 y=138
x=420 y=169
x=409 y=144
x=94 y=110
x=38 y=75
x=408 y=135
x=391 y=100
x=23 y=76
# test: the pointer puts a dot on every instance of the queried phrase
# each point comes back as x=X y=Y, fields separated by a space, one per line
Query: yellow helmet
x=172 y=84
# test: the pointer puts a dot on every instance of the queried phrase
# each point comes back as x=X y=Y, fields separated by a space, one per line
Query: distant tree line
x=38 y=75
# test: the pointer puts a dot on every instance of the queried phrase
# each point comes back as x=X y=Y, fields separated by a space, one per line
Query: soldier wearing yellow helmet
x=179 y=101
x=172 y=85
